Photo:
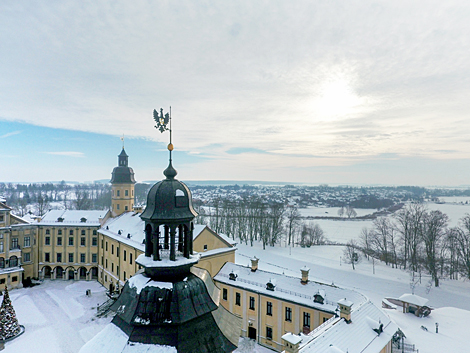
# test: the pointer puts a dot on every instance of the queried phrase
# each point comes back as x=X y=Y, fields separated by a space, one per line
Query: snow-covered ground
x=376 y=280
x=332 y=211
x=59 y=317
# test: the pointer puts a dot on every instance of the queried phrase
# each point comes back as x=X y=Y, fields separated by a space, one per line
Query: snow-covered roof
x=413 y=299
x=128 y=228
x=358 y=336
x=291 y=338
x=288 y=288
x=139 y=282
x=198 y=228
x=113 y=340
x=74 y=217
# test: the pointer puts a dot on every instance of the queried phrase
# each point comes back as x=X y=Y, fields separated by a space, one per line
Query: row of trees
x=418 y=239
x=253 y=219
x=39 y=198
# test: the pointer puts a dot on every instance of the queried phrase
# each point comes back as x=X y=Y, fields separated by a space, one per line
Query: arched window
x=13 y=261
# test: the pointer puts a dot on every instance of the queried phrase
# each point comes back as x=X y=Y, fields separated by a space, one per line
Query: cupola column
x=156 y=245
x=166 y=245
x=172 y=243
x=186 y=243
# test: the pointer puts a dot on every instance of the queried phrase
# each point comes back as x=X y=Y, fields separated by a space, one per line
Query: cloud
x=67 y=154
x=10 y=134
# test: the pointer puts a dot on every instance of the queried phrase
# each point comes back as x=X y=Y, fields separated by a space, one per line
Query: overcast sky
x=296 y=91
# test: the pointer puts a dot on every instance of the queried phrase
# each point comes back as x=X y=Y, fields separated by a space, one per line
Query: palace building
x=124 y=247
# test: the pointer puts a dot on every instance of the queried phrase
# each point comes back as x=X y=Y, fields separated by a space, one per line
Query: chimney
x=291 y=342
x=345 y=309
x=304 y=270
x=254 y=264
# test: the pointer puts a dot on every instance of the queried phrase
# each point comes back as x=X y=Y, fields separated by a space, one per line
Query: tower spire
x=122 y=139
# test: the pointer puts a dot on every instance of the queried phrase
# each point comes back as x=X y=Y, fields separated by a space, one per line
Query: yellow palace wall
x=257 y=318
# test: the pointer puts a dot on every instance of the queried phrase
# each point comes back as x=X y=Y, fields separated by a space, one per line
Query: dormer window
x=317 y=298
x=83 y=219
x=180 y=199
x=232 y=276
x=270 y=286
x=60 y=219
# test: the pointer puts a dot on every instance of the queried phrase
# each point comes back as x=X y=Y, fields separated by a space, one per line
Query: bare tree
x=42 y=203
x=434 y=230
x=293 y=220
x=351 y=253
x=409 y=220
x=463 y=244
x=350 y=211
x=365 y=241
x=341 y=211
x=82 y=198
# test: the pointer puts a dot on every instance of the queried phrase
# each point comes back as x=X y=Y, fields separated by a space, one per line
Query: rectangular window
x=125 y=275
x=71 y=257
x=1 y=218
x=94 y=257
x=27 y=257
x=94 y=232
x=106 y=263
x=269 y=333
x=94 y=241
x=14 y=279
x=27 y=241
x=125 y=253
x=83 y=232
x=82 y=257
x=48 y=231
x=117 y=206
x=1 y=246
x=117 y=251
x=106 y=246
x=252 y=303
x=71 y=232
x=14 y=243
x=307 y=320
x=325 y=319
x=224 y=294
x=237 y=299
x=269 y=309
x=126 y=193
x=125 y=208
x=47 y=257
x=130 y=258
x=82 y=241
x=112 y=266
x=112 y=249
x=59 y=232
x=288 y=314
x=102 y=261
x=117 y=270
x=119 y=193
x=59 y=257
x=47 y=241
x=59 y=241
x=70 y=241
x=102 y=242
x=2 y=280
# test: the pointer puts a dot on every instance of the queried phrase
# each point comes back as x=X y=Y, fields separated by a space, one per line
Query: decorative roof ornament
x=164 y=124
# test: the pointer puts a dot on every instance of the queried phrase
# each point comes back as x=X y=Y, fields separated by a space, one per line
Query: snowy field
x=377 y=281
x=341 y=231
x=331 y=211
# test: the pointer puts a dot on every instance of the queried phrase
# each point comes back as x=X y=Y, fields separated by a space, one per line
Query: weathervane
x=162 y=124
x=122 y=139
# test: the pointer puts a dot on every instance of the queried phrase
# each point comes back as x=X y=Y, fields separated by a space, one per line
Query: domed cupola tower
x=169 y=224
x=122 y=186
x=170 y=302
